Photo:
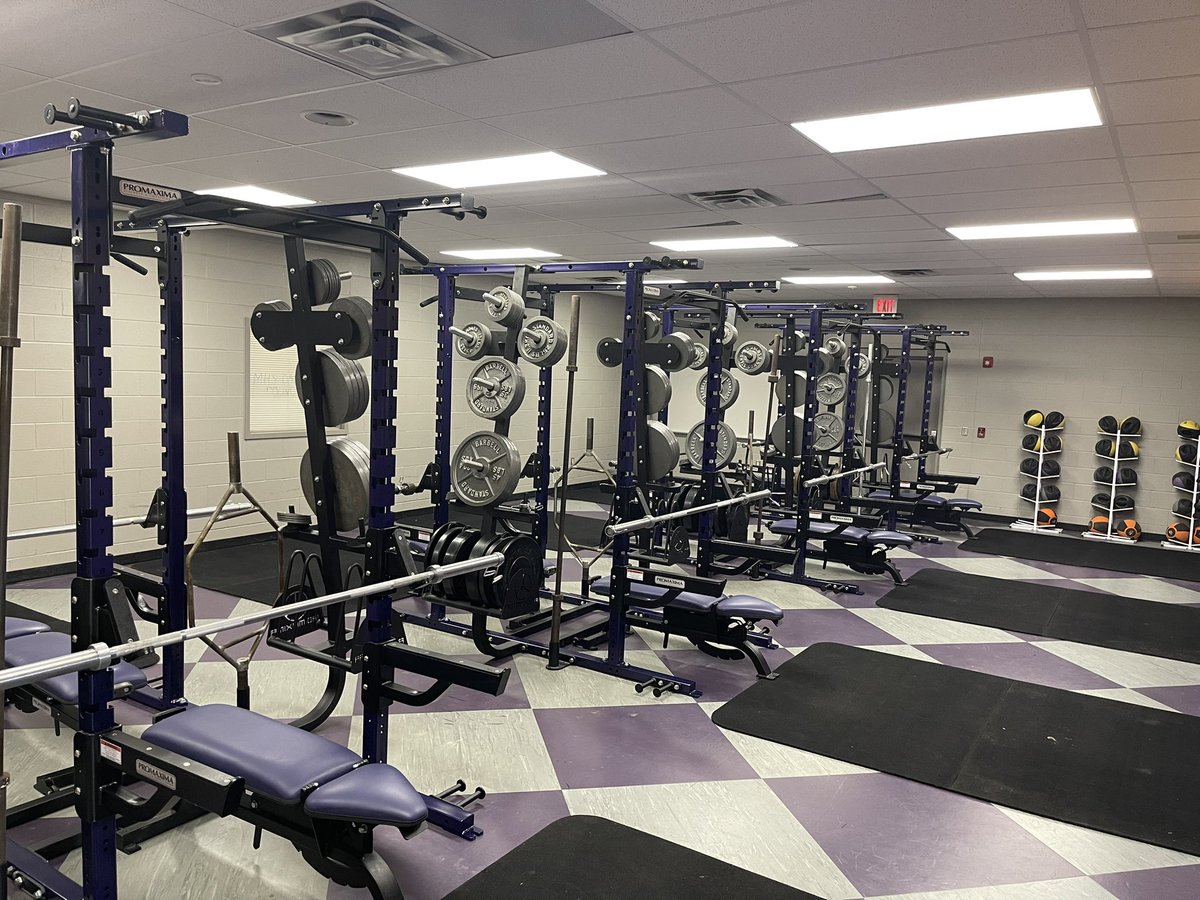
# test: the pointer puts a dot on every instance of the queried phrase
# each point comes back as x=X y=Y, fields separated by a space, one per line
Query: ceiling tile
x=742 y=175
x=506 y=27
x=652 y=13
x=625 y=66
x=21 y=110
x=371 y=185
x=1058 y=146
x=251 y=12
x=204 y=139
x=583 y=210
x=832 y=241
x=420 y=146
x=1163 y=168
x=605 y=187
x=852 y=215
x=1035 y=214
x=1160 y=139
x=822 y=191
x=1166 y=190
x=623 y=224
x=1157 y=100
x=1002 y=201
x=1092 y=171
x=635 y=117
x=55 y=41
x=821 y=33
x=730 y=145
x=1053 y=62
x=266 y=165
x=172 y=176
x=376 y=108
x=1180 y=223
x=11 y=79
x=1150 y=50
x=1098 y=13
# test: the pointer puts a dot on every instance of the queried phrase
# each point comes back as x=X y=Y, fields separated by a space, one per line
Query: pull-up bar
x=100 y=656
x=650 y=521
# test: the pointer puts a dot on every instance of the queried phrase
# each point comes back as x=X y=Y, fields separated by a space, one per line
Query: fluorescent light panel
x=840 y=279
x=502 y=170
x=737 y=243
x=502 y=253
x=1086 y=275
x=1022 y=114
x=1044 y=229
x=250 y=193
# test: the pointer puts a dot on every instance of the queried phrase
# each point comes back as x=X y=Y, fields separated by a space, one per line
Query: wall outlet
x=964 y=431
x=980 y=432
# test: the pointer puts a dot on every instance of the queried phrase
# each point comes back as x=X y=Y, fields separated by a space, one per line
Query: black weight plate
x=489 y=591
x=325 y=279
x=434 y=537
x=360 y=313
x=464 y=543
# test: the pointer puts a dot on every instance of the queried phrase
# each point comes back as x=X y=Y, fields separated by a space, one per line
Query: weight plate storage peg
x=831 y=389
x=486 y=469
x=726 y=445
x=681 y=351
x=653 y=326
x=504 y=305
x=662 y=450
x=699 y=355
x=495 y=388
x=727 y=394
x=475 y=342
x=326 y=280
x=657 y=385
x=359 y=311
x=542 y=341
x=256 y=320
x=608 y=351
x=349 y=462
x=828 y=431
x=752 y=357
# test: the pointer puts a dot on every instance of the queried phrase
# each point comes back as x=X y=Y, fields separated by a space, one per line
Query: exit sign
x=884 y=304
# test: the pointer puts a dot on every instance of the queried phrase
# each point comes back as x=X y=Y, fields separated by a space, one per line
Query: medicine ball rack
x=1190 y=495
x=1118 y=438
x=1039 y=499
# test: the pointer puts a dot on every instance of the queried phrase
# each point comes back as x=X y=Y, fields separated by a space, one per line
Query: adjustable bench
x=718 y=626
x=934 y=510
x=861 y=549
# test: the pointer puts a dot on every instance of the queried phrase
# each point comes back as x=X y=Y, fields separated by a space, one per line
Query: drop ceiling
x=674 y=97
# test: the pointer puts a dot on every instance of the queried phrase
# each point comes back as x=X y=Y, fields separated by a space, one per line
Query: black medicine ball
x=1103 y=475
x=1127 y=476
x=1108 y=425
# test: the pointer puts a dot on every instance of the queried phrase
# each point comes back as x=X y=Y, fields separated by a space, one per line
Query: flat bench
x=862 y=549
x=931 y=509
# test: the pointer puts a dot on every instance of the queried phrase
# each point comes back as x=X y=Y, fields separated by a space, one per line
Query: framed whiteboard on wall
x=273 y=409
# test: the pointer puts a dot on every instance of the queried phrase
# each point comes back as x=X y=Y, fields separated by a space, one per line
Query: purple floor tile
x=1174 y=883
x=719 y=679
x=893 y=836
x=802 y=627
x=623 y=745
x=214 y=604
x=56 y=582
x=1185 y=698
x=434 y=863
x=1023 y=661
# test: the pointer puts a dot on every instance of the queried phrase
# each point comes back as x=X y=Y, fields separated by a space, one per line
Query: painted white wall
x=226 y=273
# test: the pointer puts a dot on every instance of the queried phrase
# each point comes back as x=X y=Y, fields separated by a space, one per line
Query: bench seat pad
x=274 y=758
x=741 y=606
x=373 y=793
x=15 y=628
x=890 y=538
x=965 y=503
x=911 y=496
x=851 y=534
x=45 y=645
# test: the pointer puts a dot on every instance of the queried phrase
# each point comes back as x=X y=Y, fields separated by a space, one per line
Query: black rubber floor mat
x=1116 y=767
x=1104 y=620
x=1079 y=551
x=589 y=858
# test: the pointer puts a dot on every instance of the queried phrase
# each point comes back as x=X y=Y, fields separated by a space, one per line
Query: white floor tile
x=913 y=629
x=1129 y=669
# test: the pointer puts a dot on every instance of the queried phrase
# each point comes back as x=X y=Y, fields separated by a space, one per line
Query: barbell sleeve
x=99 y=656
x=650 y=521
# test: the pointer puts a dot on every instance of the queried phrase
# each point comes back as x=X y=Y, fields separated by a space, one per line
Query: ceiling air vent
x=909 y=273
x=370 y=40
x=1192 y=236
x=734 y=199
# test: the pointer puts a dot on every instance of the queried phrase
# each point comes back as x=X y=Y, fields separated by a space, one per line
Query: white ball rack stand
x=1039 y=479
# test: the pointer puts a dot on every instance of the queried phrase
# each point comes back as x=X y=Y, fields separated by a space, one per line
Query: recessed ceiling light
x=1086 y=275
x=253 y=194
x=1022 y=114
x=839 y=279
x=737 y=243
x=332 y=119
x=205 y=78
x=1044 y=229
x=502 y=170
x=497 y=253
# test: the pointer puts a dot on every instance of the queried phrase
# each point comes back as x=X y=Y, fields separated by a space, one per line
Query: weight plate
x=682 y=351
x=826 y=362
x=837 y=346
x=495 y=389
x=887 y=425
x=657 y=385
x=359 y=311
x=828 y=431
x=325 y=279
x=779 y=433
x=504 y=305
x=662 y=450
x=480 y=342
x=861 y=364
x=699 y=355
x=340 y=389
x=464 y=543
x=887 y=389
x=524 y=573
x=798 y=380
x=752 y=357
x=727 y=395
x=360 y=388
x=485 y=469
x=432 y=546
x=729 y=334
x=542 y=341
x=831 y=389
x=726 y=445
x=350 y=482
x=652 y=326
x=608 y=351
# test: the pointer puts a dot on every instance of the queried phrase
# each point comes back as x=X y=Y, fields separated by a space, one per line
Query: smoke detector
x=370 y=40
x=734 y=199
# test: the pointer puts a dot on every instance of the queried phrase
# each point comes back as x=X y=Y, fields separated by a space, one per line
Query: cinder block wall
x=226 y=273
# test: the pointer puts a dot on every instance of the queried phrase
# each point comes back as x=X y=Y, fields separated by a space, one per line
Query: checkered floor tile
x=578 y=742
